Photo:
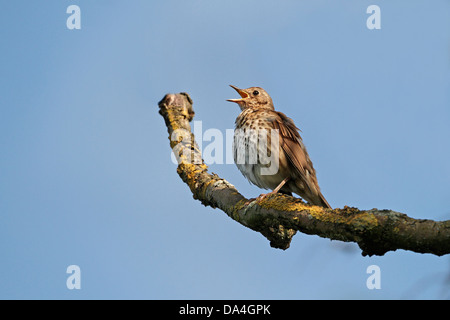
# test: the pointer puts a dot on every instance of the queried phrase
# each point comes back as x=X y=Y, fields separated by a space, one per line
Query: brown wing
x=292 y=144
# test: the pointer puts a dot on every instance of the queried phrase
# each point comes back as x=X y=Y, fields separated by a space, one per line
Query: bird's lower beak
x=241 y=92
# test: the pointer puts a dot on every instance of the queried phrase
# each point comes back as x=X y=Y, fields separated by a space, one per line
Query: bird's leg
x=282 y=183
x=264 y=195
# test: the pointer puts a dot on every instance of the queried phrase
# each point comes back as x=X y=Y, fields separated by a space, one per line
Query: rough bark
x=279 y=217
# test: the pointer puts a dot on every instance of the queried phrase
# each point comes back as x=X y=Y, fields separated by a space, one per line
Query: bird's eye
x=255 y=93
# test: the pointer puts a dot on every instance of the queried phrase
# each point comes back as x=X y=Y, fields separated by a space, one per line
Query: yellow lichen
x=190 y=173
x=283 y=203
x=350 y=216
x=206 y=185
x=173 y=120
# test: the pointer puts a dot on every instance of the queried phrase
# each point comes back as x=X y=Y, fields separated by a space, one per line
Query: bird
x=294 y=172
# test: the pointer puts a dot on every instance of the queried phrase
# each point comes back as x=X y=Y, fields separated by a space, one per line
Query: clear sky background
x=85 y=170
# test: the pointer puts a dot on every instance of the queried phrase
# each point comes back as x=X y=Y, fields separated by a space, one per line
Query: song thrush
x=294 y=169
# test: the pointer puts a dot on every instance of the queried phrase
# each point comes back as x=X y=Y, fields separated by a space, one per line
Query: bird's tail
x=321 y=201
x=313 y=196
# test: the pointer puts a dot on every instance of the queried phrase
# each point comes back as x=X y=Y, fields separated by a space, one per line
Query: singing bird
x=295 y=171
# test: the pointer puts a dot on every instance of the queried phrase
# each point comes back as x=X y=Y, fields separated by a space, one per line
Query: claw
x=260 y=198
x=249 y=201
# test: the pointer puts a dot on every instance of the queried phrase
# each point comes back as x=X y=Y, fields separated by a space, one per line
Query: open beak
x=241 y=92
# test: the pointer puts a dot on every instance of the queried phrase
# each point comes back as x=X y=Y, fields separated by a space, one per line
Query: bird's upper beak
x=241 y=92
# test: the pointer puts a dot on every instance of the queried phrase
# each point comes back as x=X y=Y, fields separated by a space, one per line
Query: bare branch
x=279 y=217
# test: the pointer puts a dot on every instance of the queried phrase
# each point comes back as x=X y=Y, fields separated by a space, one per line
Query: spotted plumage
x=256 y=142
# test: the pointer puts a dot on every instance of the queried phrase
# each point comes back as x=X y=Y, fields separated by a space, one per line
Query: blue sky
x=86 y=175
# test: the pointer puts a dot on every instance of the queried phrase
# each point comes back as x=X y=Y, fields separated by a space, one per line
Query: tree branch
x=279 y=217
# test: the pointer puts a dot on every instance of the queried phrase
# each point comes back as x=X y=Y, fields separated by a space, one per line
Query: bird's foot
x=260 y=198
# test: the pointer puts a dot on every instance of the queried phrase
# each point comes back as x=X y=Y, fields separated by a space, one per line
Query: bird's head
x=254 y=97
